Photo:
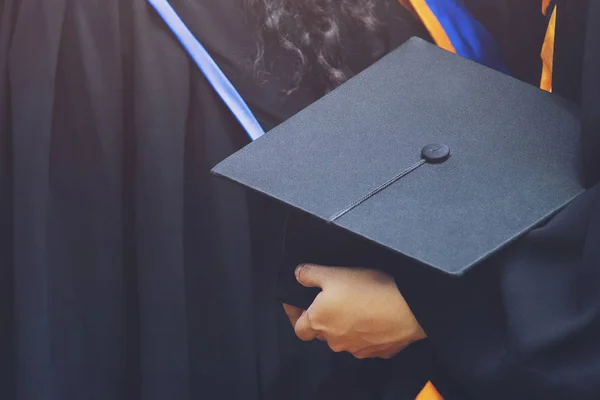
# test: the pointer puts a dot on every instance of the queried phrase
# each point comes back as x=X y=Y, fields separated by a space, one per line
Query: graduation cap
x=426 y=154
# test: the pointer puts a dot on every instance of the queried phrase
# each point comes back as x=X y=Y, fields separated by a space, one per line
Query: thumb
x=312 y=276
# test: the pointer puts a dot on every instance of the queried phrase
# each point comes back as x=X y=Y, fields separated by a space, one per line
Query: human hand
x=360 y=311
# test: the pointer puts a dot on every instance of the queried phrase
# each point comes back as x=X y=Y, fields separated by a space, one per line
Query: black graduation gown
x=126 y=270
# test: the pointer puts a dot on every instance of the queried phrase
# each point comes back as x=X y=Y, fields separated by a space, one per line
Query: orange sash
x=548 y=47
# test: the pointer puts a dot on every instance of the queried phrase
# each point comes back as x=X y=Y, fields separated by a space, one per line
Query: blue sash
x=210 y=69
x=453 y=28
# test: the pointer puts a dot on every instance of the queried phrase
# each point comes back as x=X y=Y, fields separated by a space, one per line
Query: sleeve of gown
x=526 y=324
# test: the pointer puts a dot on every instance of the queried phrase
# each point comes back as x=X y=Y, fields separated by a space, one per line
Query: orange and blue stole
x=453 y=28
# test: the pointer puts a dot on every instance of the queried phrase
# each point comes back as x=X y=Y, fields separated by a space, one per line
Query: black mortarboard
x=424 y=153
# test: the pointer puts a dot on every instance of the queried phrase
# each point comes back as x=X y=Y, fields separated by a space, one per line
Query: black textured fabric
x=590 y=101
x=126 y=270
x=525 y=324
x=569 y=47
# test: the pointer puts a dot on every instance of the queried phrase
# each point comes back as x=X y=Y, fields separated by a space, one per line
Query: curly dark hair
x=311 y=30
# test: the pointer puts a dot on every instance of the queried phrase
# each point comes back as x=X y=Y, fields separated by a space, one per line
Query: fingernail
x=297 y=271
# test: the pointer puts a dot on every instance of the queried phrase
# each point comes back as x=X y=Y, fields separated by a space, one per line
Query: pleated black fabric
x=126 y=270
